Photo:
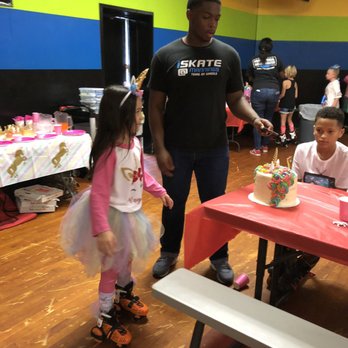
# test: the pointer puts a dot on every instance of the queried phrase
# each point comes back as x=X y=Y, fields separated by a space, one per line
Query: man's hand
x=165 y=162
x=263 y=126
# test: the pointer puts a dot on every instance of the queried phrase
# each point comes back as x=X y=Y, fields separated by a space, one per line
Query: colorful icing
x=282 y=179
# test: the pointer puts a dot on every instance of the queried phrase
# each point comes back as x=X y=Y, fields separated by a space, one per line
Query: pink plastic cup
x=58 y=128
x=241 y=281
x=344 y=208
x=36 y=117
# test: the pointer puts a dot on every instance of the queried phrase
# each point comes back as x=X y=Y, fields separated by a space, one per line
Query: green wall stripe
x=286 y=28
x=168 y=14
x=237 y=24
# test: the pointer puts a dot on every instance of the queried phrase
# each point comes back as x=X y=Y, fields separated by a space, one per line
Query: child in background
x=287 y=104
x=345 y=97
x=327 y=157
x=106 y=228
x=333 y=89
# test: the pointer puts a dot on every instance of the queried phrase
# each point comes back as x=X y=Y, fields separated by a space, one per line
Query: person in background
x=106 y=228
x=345 y=100
x=333 y=90
x=287 y=104
x=326 y=158
x=264 y=72
x=191 y=80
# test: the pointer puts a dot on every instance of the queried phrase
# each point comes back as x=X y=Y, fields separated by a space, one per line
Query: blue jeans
x=264 y=102
x=211 y=170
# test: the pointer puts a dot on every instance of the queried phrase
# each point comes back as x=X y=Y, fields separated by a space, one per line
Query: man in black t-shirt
x=191 y=80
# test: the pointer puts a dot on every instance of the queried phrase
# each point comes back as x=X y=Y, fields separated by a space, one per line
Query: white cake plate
x=255 y=200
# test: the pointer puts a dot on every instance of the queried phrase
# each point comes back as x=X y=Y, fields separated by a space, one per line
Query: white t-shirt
x=332 y=92
x=306 y=159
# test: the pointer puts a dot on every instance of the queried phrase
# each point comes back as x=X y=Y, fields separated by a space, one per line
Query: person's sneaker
x=163 y=266
x=224 y=272
x=264 y=149
x=255 y=152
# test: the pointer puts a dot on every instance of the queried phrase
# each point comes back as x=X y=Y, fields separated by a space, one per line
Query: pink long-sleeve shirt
x=118 y=181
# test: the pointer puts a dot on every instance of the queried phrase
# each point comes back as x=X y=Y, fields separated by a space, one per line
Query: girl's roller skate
x=109 y=327
x=292 y=137
x=281 y=140
x=126 y=300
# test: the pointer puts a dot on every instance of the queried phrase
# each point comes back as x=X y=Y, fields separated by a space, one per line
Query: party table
x=31 y=159
x=308 y=226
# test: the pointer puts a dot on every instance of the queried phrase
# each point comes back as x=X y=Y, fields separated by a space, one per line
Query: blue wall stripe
x=30 y=40
x=312 y=55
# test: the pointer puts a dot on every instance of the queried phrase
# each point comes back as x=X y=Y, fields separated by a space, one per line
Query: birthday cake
x=275 y=185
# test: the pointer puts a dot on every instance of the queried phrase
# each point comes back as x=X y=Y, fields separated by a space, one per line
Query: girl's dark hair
x=265 y=47
x=195 y=3
x=114 y=121
x=331 y=113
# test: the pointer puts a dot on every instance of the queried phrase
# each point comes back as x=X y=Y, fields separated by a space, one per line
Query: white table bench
x=249 y=321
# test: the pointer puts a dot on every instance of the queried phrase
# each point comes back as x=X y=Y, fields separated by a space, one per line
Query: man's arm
x=157 y=101
x=242 y=109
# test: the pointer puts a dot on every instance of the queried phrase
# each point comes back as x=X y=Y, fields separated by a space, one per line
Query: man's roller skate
x=126 y=300
x=109 y=328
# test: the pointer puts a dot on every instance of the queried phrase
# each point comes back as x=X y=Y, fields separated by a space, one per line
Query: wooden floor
x=47 y=301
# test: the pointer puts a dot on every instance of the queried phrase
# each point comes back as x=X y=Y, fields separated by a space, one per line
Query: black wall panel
x=25 y=91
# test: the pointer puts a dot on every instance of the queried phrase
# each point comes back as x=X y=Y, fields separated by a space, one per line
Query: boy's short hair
x=290 y=71
x=331 y=113
x=195 y=3
x=336 y=69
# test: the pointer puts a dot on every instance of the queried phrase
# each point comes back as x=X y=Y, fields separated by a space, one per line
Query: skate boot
x=281 y=140
x=109 y=328
x=126 y=300
x=293 y=137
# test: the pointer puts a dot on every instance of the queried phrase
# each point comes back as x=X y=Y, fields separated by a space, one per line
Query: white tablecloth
x=34 y=159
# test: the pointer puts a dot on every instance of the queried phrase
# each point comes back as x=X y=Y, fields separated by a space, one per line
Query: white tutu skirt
x=134 y=238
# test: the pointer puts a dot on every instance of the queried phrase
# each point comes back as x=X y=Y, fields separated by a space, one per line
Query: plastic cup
x=62 y=119
x=36 y=117
x=241 y=281
x=344 y=208
x=58 y=128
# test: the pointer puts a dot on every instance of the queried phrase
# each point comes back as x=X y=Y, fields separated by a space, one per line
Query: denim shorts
x=286 y=110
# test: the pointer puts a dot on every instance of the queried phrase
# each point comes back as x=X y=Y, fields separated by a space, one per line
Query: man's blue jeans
x=264 y=101
x=211 y=170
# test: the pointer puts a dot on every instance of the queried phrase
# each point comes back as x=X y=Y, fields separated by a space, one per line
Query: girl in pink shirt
x=106 y=228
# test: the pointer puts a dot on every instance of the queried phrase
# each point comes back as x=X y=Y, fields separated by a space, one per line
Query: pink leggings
x=108 y=279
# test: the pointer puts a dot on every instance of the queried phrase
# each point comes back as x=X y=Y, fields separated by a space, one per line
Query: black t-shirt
x=265 y=75
x=196 y=81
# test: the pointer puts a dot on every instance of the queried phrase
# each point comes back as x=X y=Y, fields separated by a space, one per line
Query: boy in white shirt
x=324 y=157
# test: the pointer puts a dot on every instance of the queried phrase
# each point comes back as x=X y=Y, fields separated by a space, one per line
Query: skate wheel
x=98 y=334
